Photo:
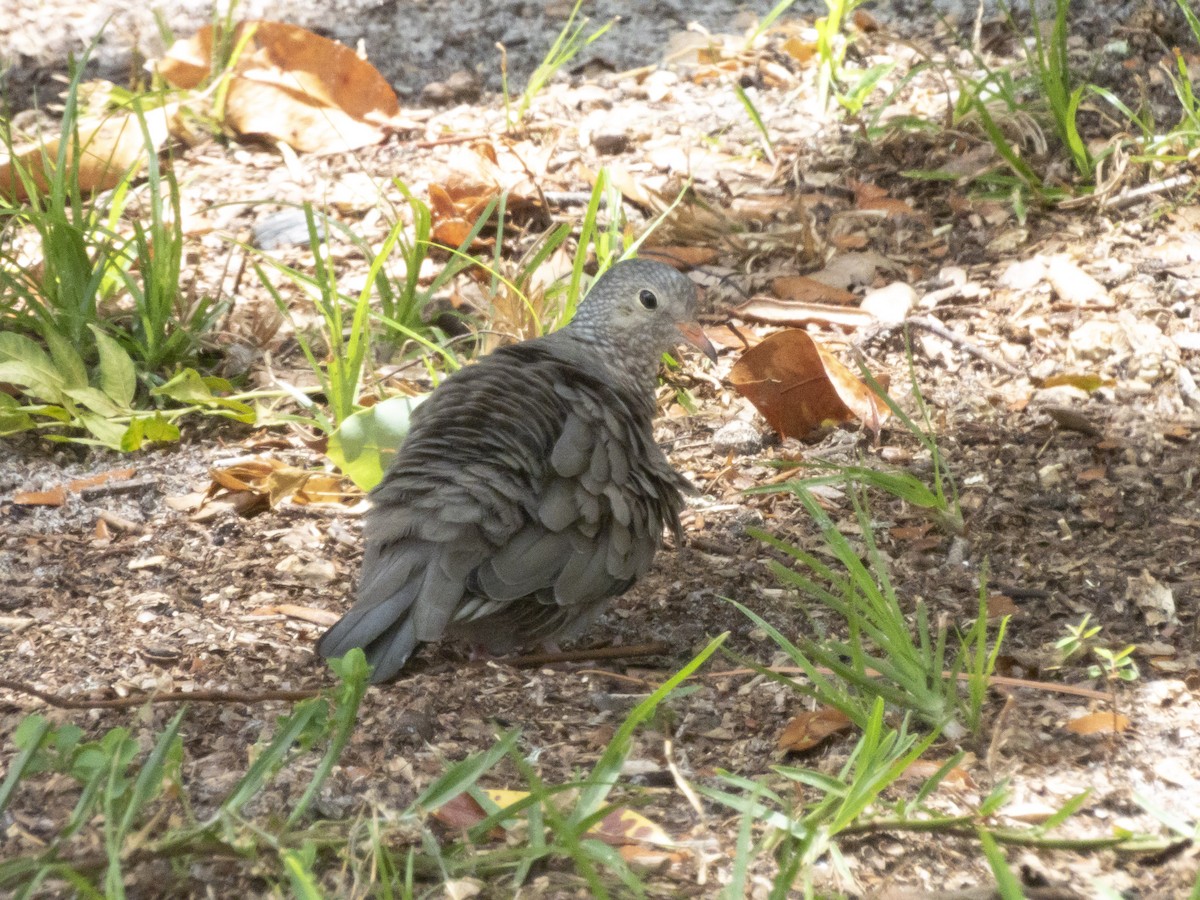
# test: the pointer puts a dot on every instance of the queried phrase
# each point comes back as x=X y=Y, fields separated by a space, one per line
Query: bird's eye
x=649 y=301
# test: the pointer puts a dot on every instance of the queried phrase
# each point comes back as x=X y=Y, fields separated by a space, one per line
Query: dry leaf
x=811 y=728
x=809 y=290
x=1098 y=723
x=999 y=605
x=681 y=257
x=798 y=386
x=924 y=769
x=110 y=147
x=1155 y=599
x=618 y=828
x=292 y=85
x=78 y=484
x=796 y=313
x=1075 y=286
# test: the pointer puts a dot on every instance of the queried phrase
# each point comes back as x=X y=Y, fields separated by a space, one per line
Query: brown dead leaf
x=811 y=728
x=999 y=605
x=910 y=532
x=57 y=495
x=809 y=290
x=924 y=769
x=619 y=828
x=109 y=148
x=463 y=812
x=1099 y=723
x=676 y=256
x=254 y=484
x=79 y=484
x=292 y=85
x=798 y=386
x=799 y=50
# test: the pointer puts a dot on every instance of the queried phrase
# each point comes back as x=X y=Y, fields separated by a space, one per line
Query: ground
x=1076 y=501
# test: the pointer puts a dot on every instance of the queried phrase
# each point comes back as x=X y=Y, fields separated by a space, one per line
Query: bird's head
x=638 y=310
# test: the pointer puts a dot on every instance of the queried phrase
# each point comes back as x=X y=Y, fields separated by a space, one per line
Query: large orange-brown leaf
x=798 y=386
x=292 y=85
x=110 y=147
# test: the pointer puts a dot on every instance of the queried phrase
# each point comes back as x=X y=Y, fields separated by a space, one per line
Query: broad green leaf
x=363 y=445
x=96 y=400
x=24 y=363
x=160 y=430
x=186 y=387
x=118 y=378
x=66 y=359
x=108 y=433
x=189 y=387
x=13 y=418
x=143 y=429
x=50 y=412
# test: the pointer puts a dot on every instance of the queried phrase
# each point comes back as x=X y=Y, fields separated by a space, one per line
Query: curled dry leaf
x=797 y=385
x=109 y=148
x=255 y=484
x=811 y=728
x=289 y=84
x=619 y=828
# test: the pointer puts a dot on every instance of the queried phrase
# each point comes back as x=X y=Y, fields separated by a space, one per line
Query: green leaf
x=24 y=363
x=118 y=378
x=148 y=429
x=13 y=418
x=363 y=445
x=186 y=387
x=190 y=388
x=66 y=359
x=159 y=430
x=95 y=400
x=110 y=434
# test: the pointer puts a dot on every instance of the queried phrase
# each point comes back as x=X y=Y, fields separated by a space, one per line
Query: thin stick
x=960 y=341
x=172 y=697
x=656 y=648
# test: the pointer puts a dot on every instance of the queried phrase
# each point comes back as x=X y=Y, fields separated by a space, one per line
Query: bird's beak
x=695 y=336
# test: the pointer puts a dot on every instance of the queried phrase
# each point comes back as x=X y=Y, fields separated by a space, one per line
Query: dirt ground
x=1076 y=501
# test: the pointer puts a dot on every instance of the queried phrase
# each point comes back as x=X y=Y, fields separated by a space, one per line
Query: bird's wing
x=526 y=492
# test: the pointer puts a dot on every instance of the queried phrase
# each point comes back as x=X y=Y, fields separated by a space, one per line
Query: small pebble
x=737 y=436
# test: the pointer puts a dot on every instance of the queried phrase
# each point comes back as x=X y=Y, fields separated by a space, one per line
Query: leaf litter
x=1110 y=529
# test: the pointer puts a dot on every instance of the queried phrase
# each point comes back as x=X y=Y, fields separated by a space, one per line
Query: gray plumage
x=529 y=491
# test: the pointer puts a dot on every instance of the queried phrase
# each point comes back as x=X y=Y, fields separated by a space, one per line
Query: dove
x=529 y=491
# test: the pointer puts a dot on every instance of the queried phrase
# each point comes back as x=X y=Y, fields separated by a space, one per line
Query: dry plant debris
x=1059 y=353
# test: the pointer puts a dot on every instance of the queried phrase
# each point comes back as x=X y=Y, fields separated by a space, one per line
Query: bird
x=529 y=490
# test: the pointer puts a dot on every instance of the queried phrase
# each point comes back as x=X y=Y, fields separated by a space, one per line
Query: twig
x=684 y=787
x=172 y=697
x=1131 y=196
x=531 y=660
x=993 y=681
x=960 y=341
x=120 y=522
x=113 y=488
